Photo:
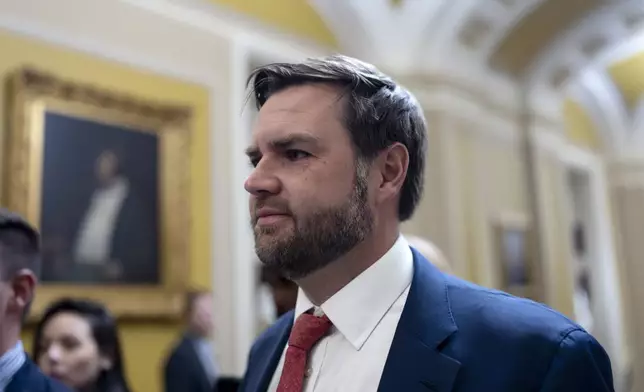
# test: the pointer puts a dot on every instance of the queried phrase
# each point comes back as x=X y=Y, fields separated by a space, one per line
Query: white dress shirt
x=365 y=314
x=10 y=364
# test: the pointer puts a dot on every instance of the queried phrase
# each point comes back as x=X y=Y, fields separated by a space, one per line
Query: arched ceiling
x=521 y=44
x=628 y=76
x=548 y=45
x=545 y=45
x=506 y=36
x=553 y=38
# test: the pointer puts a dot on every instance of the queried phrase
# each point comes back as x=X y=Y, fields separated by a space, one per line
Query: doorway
x=578 y=184
x=595 y=279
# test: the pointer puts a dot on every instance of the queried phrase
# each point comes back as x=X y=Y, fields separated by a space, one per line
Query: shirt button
x=308 y=372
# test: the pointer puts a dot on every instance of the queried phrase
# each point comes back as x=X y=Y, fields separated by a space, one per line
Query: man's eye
x=254 y=162
x=295 y=155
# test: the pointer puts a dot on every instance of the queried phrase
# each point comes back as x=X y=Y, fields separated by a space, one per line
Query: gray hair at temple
x=431 y=252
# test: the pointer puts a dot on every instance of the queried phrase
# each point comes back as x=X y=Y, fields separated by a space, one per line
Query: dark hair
x=104 y=331
x=377 y=114
x=19 y=245
x=118 y=159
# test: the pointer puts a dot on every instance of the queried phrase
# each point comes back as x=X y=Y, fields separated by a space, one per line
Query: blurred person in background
x=283 y=290
x=19 y=263
x=430 y=252
x=191 y=365
x=76 y=341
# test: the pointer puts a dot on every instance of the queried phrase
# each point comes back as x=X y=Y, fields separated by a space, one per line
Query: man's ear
x=392 y=163
x=23 y=286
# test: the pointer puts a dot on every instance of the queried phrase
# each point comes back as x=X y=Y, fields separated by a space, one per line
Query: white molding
x=584 y=95
x=608 y=308
x=566 y=49
x=255 y=35
x=243 y=260
x=606 y=105
x=378 y=32
x=547 y=102
x=637 y=123
x=452 y=192
x=450 y=100
x=39 y=20
x=628 y=180
x=444 y=28
x=627 y=172
x=624 y=50
x=577 y=158
x=547 y=140
x=349 y=27
x=507 y=21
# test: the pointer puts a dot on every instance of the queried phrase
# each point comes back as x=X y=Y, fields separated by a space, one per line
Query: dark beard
x=319 y=238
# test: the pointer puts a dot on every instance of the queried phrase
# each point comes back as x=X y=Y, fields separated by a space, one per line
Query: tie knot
x=308 y=330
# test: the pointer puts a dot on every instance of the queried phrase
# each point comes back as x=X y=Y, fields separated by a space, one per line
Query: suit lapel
x=415 y=361
x=269 y=355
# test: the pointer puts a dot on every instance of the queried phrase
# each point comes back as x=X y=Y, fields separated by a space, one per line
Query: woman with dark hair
x=77 y=342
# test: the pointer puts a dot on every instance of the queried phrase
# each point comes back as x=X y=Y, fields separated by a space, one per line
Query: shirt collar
x=356 y=310
x=10 y=363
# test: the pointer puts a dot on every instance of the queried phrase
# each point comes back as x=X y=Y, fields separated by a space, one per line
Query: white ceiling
x=461 y=35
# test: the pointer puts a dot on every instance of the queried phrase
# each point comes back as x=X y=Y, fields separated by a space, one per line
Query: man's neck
x=324 y=283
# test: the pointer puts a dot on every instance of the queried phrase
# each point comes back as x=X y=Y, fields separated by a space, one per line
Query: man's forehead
x=304 y=97
x=300 y=103
x=294 y=129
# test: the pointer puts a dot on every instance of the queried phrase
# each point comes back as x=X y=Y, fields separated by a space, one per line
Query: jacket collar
x=415 y=361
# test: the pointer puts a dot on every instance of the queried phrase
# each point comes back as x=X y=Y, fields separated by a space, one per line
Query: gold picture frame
x=514 y=255
x=35 y=100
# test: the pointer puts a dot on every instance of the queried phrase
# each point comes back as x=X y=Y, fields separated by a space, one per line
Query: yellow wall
x=293 y=16
x=579 y=127
x=629 y=78
x=145 y=343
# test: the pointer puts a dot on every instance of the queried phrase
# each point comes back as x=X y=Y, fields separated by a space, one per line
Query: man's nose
x=262 y=181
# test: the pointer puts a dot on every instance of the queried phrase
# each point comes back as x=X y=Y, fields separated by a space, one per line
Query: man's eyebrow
x=290 y=140
x=252 y=151
x=284 y=143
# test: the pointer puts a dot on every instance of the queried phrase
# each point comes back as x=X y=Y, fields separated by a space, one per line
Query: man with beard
x=339 y=153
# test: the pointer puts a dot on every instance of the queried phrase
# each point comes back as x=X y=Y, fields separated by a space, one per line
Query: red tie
x=307 y=331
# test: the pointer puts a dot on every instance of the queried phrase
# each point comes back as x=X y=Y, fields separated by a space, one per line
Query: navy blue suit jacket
x=30 y=379
x=454 y=336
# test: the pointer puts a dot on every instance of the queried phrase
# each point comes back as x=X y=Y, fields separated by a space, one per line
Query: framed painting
x=514 y=255
x=105 y=178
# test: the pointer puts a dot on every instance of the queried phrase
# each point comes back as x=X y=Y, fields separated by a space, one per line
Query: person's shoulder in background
x=30 y=378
